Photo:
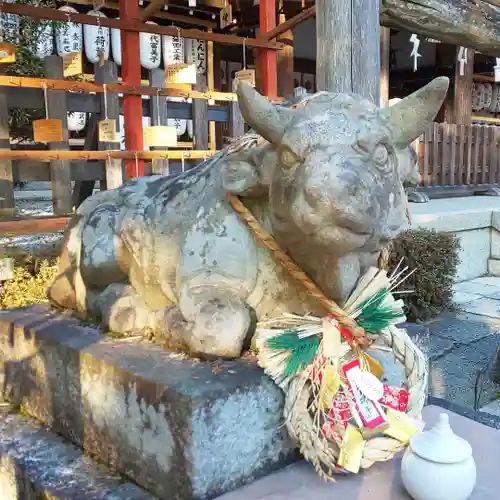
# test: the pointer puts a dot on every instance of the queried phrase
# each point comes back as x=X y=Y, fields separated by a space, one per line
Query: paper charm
x=496 y=69
x=462 y=59
x=414 y=52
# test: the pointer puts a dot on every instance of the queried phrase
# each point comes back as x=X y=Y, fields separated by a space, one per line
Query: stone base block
x=35 y=464
x=494 y=267
x=179 y=428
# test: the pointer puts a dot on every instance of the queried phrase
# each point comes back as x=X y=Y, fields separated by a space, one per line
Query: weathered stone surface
x=35 y=463
x=180 y=429
x=170 y=255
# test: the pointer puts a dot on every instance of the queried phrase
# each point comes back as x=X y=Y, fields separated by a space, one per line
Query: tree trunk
x=473 y=24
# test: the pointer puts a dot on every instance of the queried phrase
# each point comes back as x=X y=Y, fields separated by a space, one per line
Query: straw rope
x=301 y=421
x=358 y=333
x=323 y=453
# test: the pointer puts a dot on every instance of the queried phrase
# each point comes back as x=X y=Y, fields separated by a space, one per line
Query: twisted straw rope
x=323 y=453
x=358 y=333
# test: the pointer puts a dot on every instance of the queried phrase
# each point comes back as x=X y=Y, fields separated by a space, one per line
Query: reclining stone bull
x=169 y=255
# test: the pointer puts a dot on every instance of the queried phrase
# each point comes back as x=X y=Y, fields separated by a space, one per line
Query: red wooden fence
x=457 y=155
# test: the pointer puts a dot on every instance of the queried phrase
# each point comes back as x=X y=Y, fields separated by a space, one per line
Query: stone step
x=35 y=463
x=462 y=352
x=180 y=429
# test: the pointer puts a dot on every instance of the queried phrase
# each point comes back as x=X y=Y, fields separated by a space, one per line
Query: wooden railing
x=459 y=155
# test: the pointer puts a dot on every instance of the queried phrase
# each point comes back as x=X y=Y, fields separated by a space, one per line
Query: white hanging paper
x=414 y=53
x=462 y=60
x=497 y=69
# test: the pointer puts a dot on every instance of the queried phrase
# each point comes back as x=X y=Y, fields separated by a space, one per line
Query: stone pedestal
x=179 y=428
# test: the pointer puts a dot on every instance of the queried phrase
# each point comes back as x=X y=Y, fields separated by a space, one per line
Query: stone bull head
x=169 y=255
x=335 y=166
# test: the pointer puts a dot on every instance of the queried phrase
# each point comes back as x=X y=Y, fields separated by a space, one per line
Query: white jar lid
x=440 y=444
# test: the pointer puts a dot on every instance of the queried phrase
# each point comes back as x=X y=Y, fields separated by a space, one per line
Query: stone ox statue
x=168 y=255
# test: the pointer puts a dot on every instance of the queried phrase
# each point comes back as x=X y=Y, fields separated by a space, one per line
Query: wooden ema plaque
x=180 y=73
x=72 y=64
x=49 y=130
x=245 y=75
x=107 y=131
x=6 y=268
x=160 y=136
x=7 y=53
x=226 y=16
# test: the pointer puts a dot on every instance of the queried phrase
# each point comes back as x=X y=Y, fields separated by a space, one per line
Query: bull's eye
x=288 y=158
x=380 y=155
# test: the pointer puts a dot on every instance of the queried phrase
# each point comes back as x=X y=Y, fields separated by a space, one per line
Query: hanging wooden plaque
x=49 y=130
x=245 y=75
x=226 y=16
x=6 y=268
x=72 y=64
x=160 y=136
x=107 y=131
x=7 y=53
x=180 y=73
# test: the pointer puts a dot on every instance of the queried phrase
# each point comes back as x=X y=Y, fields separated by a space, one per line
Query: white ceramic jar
x=438 y=465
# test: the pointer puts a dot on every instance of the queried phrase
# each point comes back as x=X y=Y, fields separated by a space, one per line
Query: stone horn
x=410 y=116
x=261 y=114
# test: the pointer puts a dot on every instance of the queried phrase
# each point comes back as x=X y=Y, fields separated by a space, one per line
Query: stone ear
x=241 y=173
x=410 y=116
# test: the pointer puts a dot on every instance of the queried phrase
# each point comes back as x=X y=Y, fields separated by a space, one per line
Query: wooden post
x=236 y=122
x=131 y=72
x=267 y=59
x=348 y=47
x=285 y=62
x=60 y=170
x=158 y=113
x=463 y=90
x=110 y=109
x=6 y=174
x=83 y=189
x=200 y=117
x=457 y=107
x=211 y=84
x=385 y=63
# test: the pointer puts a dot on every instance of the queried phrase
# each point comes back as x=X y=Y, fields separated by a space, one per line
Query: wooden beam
x=134 y=25
x=289 y=24
x=176 y=18
x=126 y=89
x=32 y=225
x=72 y=86
x=152 y=8
x=51 y=155
x=267 y=59
x=474 y=24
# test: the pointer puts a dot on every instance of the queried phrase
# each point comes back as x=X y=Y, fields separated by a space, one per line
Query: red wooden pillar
x=267 y=58
x=131 y=74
